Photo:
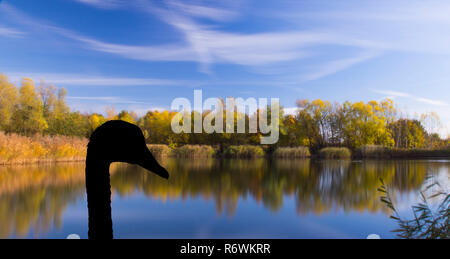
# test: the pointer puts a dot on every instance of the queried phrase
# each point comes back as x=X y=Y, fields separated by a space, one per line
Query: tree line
x=29 y=110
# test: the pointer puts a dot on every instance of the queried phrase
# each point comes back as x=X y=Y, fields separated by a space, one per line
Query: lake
x=214 y=198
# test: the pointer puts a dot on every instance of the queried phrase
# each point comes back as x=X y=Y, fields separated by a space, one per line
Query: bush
x=335 y=153
x=292 y=152
x=159 y=150
x=243 y=151
x=194 y=151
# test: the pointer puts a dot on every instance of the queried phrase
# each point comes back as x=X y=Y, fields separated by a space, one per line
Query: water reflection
x=34 y=198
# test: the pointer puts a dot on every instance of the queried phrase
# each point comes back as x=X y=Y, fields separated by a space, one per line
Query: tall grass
x=194 y=151
x=430 y=221
x=335 y=153
x=244 y=151
x=292 y=152
x=16 y=149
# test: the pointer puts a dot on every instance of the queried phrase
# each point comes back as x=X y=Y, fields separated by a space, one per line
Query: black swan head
x=120 y=141
x=114 y=141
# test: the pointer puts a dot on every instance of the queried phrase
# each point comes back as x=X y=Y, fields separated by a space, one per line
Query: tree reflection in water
x=34 y=198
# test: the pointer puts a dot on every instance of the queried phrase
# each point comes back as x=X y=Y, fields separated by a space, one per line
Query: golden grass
x=16 y=149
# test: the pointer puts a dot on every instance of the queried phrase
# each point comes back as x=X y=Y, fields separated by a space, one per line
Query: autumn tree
x=8 y=101
x=126 y=116
x=408 y=133
x=28 y=115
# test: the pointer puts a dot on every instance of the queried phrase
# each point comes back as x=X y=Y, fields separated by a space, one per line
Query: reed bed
x=244 y=151
x=335 y=153
x=194 y=151
x=16 y=149
x=372 y=151
x=292 y=152
x=160 y=150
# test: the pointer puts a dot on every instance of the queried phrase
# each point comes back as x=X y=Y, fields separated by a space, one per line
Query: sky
x=141 y=54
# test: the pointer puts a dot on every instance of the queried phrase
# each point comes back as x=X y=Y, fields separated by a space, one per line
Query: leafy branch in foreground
x=427 y=223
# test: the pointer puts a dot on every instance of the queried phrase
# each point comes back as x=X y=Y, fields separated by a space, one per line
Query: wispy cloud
x=335 y=66
x=104 y=4
x=207 y=46
x=105 y=99
x=203 y=11
x=401 y=26
x=8 y=32
x=88 y=80
x=393 y=94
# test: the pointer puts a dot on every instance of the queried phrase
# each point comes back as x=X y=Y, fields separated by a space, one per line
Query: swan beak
x=150 y=163
x=161 y=171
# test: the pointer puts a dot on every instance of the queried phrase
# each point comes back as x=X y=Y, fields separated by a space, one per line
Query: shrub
x=243 y=151
x=292 y=152
x=335 y=153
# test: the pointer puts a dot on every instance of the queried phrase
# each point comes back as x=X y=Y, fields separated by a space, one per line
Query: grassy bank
x=16 y=149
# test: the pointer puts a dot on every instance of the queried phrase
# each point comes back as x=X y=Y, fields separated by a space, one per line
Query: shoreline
x=313 y=158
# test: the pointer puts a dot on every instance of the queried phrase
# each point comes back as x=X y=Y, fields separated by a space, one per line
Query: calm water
x=218 y=198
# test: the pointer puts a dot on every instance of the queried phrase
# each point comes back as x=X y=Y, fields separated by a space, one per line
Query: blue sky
x=141 y=54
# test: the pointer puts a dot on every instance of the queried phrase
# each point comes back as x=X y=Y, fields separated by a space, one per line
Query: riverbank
x=16 y=149
x=249 y=151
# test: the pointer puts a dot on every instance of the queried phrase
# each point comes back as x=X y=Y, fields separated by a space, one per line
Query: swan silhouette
x=114 y=141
